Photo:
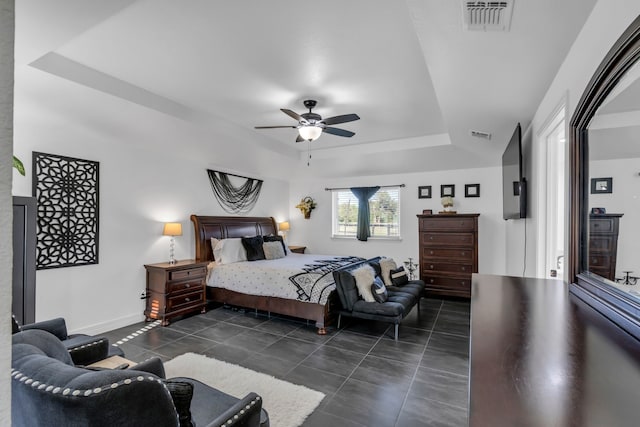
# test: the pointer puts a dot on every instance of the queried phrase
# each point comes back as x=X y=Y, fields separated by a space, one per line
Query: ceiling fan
x=311 y=125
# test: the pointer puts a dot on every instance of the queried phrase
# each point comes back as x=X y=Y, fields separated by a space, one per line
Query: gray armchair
x=48 y=390
x=84 y=349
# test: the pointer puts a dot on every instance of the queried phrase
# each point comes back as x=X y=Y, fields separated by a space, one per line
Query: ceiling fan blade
x=340 y=119
x=292 y=114
x=300 y=139
x=339 y=132
x=273 y=127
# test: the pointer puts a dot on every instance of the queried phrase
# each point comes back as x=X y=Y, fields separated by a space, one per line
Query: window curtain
x=363 y=194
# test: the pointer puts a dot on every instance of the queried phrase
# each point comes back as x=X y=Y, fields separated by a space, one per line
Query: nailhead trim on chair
x=71 y=350
x=17 y=375
x=236 y=417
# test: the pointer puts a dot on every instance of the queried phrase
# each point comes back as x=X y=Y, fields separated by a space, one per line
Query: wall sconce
x=172 y=229
x=284 y=227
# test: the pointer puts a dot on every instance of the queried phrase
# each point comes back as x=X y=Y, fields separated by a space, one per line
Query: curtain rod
x=381 y=186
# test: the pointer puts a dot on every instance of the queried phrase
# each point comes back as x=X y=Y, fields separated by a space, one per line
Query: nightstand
x=175 y=289
x=297 y=249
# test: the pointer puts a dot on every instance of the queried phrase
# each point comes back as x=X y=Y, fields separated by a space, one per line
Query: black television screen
x=514 y=189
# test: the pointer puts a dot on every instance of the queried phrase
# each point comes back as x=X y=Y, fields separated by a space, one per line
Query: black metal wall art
x=234 y=200
x=66 y=190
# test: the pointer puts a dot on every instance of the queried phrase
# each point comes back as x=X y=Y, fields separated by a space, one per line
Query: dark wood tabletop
x=542 y=357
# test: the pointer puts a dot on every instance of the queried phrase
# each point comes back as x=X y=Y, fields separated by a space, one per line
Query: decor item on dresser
x=448 y=253
x=472 y=190
x=172 y=229
x=66 y=190
x=424 y=192
x=175 y=289
x=601 y=185
x=300 y=286
x=603 y=244
x=47 y=389
x=232 y=199
x=306 y=205
x=447 y=204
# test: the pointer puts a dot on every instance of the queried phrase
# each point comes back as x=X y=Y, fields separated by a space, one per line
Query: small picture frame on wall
x=601 y=185
x=448 y=190
x=472 y=190
x=424 y=192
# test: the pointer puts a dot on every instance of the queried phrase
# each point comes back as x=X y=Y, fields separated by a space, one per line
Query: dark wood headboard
x=223 y=227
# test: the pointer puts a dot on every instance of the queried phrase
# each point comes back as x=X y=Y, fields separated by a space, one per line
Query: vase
x=307 y=214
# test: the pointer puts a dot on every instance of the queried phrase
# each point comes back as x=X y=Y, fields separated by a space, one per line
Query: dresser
x=448 y=253
x=603 y=244
x=175 y=289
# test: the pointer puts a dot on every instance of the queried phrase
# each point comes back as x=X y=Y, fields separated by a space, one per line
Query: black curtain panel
x=363 y=194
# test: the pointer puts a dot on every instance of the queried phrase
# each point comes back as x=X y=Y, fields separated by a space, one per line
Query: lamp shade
x=172 y=229
x=310 y=133
x=284 y=226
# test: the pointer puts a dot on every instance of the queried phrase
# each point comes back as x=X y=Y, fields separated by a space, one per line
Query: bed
x=313 y=302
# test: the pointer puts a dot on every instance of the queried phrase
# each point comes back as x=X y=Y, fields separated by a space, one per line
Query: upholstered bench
x=399 y=301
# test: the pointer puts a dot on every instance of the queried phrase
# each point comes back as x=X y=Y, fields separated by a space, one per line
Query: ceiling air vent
x=487 y=15
x=479 y=134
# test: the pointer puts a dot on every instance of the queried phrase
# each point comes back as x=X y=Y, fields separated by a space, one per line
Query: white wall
x=624 y=199
x=7 y=9
x=607 y=22
x=315 y=233
x=151 y=171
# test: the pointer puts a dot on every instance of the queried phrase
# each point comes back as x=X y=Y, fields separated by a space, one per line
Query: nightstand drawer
x=187 y=274
x=179 y=287
x=185 y=300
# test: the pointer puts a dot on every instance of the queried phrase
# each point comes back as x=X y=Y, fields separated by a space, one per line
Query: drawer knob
x=431 y=280
x=430 y=252
x=464 y=253
x=462 y=282
x=187 y=299
x=431 y=266
x=188 y=285
x=464 y=268
x=431 y=238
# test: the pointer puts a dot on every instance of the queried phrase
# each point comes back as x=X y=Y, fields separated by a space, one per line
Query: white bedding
x=303 y=277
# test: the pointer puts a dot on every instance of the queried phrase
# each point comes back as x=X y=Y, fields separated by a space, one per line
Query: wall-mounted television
x=514 y=184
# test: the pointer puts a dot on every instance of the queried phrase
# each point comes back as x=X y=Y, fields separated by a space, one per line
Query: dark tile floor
x=368 y=378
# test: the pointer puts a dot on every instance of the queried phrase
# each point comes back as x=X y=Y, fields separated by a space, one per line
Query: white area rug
x=288 y=404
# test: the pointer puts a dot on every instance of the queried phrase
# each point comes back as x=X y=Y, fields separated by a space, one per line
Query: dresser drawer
x=186 y=300
x=601 y=261
x=457 y=224
x=190 y=273
x=447 y=283
x=601 y=243
x=433 y=252
x=602 y=225
x=447 y=239
x=447 y=267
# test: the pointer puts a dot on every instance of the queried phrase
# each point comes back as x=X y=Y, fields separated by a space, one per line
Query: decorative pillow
x=276 y=239
x=273 y=250
x=399 y=277
x=231 y=250
x=364 y=279
x=214 y=244
x=386 y=265
x=253 y=246
x=181 y=394
x=379 y=290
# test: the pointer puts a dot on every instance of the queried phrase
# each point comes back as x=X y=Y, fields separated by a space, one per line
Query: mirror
x=605 y=145
x=613 y=206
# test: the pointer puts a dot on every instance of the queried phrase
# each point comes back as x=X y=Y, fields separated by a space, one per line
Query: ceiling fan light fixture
x=310 y=133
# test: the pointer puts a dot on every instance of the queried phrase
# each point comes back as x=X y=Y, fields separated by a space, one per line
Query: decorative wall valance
x=234 y=200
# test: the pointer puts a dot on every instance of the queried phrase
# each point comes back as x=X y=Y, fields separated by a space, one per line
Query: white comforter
x=303 y=277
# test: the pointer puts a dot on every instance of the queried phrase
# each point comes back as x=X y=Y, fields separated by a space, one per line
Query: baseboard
x=110 y=325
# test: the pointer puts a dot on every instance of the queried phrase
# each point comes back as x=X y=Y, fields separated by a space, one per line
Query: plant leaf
x=18 y=165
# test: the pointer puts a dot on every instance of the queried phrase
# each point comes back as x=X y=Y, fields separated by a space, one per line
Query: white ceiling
x=418 y=81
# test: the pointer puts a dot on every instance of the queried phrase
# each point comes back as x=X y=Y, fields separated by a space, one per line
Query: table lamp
x=284 y=227
x=172 y=229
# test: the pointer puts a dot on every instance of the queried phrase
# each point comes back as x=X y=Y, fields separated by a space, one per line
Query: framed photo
x=601 y=185
x=424 y=192
x=598 y=211
x=448 y=190
x=472 y=190
x=427 y=212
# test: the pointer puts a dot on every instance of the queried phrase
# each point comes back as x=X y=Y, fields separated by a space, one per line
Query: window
x=384 y=208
